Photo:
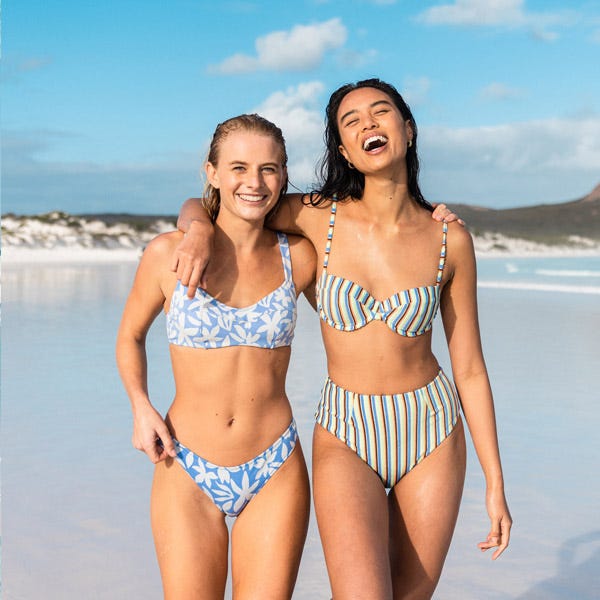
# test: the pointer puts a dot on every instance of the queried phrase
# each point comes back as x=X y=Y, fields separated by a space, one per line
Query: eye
x=269 y=169
x=238 y=168
x=351 y=122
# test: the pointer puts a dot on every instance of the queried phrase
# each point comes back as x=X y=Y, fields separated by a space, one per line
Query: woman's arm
x=193 y=254
x=459 y=313
x=293 y=216
x=304 y=265
x=145 y=301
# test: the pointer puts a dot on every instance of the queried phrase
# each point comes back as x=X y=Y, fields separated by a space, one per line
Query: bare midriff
x=230 y=403
x=376 y=360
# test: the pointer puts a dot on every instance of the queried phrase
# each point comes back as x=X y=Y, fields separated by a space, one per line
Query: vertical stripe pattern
x=345 y=305
x=392 y=433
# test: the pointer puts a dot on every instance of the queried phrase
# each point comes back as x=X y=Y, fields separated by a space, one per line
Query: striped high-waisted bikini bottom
x=392 y=433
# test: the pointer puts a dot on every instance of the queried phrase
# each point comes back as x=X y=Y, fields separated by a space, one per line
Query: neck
x=243 y=235
x=385 y=199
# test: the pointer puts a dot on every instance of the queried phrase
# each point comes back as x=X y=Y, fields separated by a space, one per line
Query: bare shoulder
x=460 y=250
x=164 y=242
x=161 y=248
x=459 y=238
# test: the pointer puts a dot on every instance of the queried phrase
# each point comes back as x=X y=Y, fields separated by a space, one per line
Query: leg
x=352 y=514
x=268 y=537
x=190 y=536
x=423 y=510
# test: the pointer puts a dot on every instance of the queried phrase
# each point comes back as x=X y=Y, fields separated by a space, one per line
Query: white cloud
x=476 y=12
x=415 y=90
x=514 y=164
x=545 y=160
x=499 y=91
x=298 y=112
x=34 y=184
x=498 y=13
x=15 y=67
x=299 y=49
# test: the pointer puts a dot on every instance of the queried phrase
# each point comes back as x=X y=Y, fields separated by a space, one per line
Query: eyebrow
x=350 y=112
x=245 y=164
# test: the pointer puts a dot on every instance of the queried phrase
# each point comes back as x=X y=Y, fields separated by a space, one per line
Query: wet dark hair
x=252 y=123
x=337 y=178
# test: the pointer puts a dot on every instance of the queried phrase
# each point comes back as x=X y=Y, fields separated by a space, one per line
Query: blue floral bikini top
x=204 y=322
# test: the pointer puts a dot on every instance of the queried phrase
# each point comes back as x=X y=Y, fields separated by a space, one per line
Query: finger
x=185 y=274
x=492 y=540
x=194 y=280
x=166 y=444
x=203 y=281
x=174 y=263
x=505 y=526
x=152 y=452
x=440 y=212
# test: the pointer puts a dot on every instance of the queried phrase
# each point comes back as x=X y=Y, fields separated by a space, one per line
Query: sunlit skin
x=380 y=545
x=230 y=403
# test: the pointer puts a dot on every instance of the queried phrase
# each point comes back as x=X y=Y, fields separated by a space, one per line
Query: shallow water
x=75 y=493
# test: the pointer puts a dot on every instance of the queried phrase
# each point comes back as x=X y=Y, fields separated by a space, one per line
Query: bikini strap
x=330 y=233
x=286 y=259
x=442 y=255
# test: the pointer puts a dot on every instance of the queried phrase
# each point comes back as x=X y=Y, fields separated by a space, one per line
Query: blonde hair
x=253 y=123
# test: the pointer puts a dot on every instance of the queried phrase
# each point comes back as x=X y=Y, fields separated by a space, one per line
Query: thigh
x=352 y=514
x=268 y=536
x=423 y=510
x=190 y=536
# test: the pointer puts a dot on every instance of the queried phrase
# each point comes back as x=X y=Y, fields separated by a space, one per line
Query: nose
x=369 y=123
x=255 y=178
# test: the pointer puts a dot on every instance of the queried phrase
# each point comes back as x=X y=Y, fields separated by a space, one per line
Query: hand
x=442 y=213
x=501 y=523
x=151 y=435
x=192 y=256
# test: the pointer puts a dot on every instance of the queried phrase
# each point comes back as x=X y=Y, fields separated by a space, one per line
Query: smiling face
x=372 y=131
x=249 y=174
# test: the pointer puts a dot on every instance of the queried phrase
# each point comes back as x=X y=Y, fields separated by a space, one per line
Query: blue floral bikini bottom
x=231 y=488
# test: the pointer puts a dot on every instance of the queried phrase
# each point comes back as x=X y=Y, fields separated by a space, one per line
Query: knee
x=416 y=590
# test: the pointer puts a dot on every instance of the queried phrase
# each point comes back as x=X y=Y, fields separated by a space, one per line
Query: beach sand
x=75 y=493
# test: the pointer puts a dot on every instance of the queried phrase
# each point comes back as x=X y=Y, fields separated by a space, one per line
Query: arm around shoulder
x=304 y=260
x=294 y=215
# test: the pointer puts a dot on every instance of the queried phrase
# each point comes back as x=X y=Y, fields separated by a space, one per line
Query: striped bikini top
x=204 y=322
x=346 y=306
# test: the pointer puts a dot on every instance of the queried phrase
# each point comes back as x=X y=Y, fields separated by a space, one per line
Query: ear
x=211 y=175
x=409 y=130
x=343 y=152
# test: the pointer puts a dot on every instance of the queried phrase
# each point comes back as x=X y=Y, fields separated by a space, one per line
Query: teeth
x=374 y=141
x=250 y=197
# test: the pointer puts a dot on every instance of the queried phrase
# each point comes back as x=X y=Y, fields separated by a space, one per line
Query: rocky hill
x=558 y=228
x=544 y=223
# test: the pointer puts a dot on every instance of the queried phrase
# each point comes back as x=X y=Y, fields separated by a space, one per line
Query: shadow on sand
x=578 y=574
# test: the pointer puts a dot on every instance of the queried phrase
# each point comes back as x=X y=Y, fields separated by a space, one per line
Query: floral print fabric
x=231 y=488
x=204 y=322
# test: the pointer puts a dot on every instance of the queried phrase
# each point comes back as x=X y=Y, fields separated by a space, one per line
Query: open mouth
x=374 y=142
x=251 y=197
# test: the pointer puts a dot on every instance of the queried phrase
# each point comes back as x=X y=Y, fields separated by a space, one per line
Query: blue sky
x=109 y=106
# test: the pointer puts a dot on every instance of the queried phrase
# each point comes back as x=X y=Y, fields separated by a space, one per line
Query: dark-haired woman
x=389 y=446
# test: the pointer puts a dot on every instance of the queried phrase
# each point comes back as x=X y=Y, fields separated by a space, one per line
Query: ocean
x=75 y=494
